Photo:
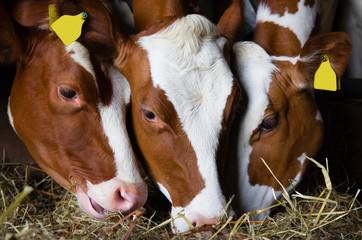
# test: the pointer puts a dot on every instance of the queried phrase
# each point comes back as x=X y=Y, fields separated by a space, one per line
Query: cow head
x=183 y=96
x=69 y=109
x=282 y=123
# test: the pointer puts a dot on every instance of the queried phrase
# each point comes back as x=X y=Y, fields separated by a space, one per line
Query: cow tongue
x=96 y=206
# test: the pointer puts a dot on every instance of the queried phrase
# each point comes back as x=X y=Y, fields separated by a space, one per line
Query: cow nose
x=117 y=196
x=127 y=201
x=200 y=221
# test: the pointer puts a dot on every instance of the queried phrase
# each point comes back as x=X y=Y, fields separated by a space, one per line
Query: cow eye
x=67 y=93
x=149 y=115
x=268 y=124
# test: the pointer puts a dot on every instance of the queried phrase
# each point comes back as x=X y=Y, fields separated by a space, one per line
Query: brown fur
x=231 y=21
x=282 y=6
x=148 y=13
x=65 y=139
x=164 y=145
x=292 y=99
x=298 y=131
x=64 y=123
x=277 y=40
x=176 y=169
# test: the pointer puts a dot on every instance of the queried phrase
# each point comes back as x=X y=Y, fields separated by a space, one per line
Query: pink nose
x=114 y=197
x=200 y=221
x=127 y=201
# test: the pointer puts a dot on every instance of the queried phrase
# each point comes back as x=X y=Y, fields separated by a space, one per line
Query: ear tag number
x=69 y=28
x=325 y=78
x=53 y=15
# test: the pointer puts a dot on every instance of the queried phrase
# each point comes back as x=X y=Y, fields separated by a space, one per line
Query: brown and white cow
x=183 y=96
x=282 y=123
x=69 y=107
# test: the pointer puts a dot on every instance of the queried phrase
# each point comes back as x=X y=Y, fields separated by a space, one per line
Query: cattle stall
x=324 y=206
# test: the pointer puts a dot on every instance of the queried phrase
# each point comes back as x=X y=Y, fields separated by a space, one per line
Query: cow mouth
x=89 y=205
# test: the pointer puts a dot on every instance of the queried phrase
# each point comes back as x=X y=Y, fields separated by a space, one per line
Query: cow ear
x=147 y=13
x=336 y=45
x=231 y=21
x=11 y=47
x=101 y=29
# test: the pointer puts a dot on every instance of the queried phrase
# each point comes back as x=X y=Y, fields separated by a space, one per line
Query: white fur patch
x=301 y=159
x=80 y=55
x=164 y=192
x=300 y=23
x=10 y=116
x=114 y=125
x=319 y=116
x=113 y=116
x=103 y=193
x=199 y=205
x=44 y=24
x=186 y=61
x=260 y=197
x=254 y=71
x=293 y=60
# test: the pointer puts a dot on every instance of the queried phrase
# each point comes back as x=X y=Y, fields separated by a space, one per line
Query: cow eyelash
x=149 y=115
x=268 y=124
x=67 y=93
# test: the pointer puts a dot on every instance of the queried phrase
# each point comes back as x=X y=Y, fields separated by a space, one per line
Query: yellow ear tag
x=325 y=78
x=69 y=28
x=53 y=15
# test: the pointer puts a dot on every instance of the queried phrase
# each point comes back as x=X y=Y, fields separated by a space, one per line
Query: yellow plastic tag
x=325 y=78
x=53 y=15
x=69 y=28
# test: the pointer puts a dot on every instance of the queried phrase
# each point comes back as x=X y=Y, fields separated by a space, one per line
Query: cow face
x=183 y=94
x=282 y=123
x=69 y=110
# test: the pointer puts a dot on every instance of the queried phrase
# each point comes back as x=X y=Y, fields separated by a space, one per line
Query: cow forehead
x=292 y=20
x=187 y=63
x=80 y=55
x=254 y=69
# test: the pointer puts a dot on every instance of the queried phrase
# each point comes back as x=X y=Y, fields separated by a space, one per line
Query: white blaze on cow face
x=114 y=125
x=254 y=70
x=292 y=21
x=196 y=79
x=128 y=183
x=80 y=55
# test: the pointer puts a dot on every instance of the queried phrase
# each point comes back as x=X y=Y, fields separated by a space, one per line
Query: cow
x=69 y=106
x=281 y=123
x=183 y=97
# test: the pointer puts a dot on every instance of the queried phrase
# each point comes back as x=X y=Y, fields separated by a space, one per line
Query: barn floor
x=50 y=212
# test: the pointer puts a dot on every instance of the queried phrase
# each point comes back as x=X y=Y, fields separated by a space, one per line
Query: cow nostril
x=125 y=201
x=120 y=195
x=194 y=224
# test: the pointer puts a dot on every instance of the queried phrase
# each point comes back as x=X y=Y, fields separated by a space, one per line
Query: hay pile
x=47 y=211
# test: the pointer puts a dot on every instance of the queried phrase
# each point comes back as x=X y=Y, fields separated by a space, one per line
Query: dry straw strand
x=27 y=190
